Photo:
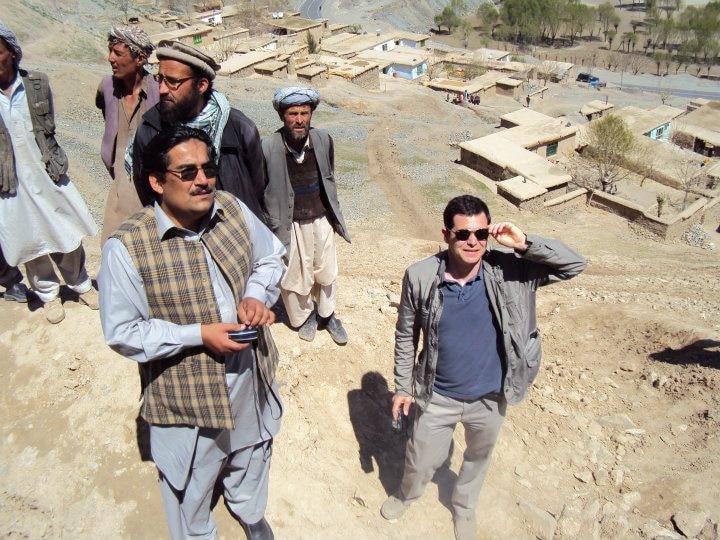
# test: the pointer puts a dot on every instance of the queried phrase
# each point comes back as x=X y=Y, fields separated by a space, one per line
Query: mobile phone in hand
x=244 y=336
x=399 y=422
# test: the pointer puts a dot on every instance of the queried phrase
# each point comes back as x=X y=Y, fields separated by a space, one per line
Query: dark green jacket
x=42 y=114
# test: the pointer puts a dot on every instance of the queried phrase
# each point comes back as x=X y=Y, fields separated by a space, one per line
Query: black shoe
x=336 y=330
x=16 y=293
x=258 y=531
x=308 y=328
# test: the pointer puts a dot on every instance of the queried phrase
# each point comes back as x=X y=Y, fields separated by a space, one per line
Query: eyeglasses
x=171 y=82
x=464 y=234
x=188 y=174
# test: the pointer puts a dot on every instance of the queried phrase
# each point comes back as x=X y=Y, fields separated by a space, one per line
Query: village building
x=192 y=35
x=404 y=62
x=654 y=123
x=516 y=159
x=478 y=86
x=594 y=109
x=360 y=72
x=699 y=130
x=348 y=45
x=311 y=73
x=242 y=65
x=300 y=27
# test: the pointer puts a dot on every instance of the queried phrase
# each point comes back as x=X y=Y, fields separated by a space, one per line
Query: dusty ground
x=618 y=434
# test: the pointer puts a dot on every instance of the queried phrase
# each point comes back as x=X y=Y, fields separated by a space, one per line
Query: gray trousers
x=244 y=475
x=429 y=446
x=44 y=281
x=9 y=275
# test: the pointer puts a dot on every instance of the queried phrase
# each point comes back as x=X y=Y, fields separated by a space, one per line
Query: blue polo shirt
x=468 y=364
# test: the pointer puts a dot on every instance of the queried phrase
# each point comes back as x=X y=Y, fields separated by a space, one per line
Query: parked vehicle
x=586 y=78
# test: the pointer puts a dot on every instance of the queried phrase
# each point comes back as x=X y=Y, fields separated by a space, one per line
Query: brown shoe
x=90 y=299
x=54 y=311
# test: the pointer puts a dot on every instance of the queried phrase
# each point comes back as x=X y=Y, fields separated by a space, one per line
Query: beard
x=176 y=112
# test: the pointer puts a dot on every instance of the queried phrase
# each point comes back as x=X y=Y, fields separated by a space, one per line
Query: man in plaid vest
x=175 y=279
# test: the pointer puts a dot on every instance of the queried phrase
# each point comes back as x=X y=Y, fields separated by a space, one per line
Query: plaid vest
x=190 y=388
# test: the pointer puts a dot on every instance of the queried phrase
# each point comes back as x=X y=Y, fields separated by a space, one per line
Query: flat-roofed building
x=311 y=73
x=244 y=64
x=477 y=86
x=595 y=109
x=360 y=72
x=517 y=158
x=699 y=130
x=405 y=62
x=192 y=35
x=299 y=26
x=654 y=123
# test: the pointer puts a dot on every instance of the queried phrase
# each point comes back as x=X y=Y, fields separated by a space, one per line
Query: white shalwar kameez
x=43 y=217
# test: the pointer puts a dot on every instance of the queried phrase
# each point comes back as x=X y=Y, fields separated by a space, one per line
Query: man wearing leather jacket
x=475 y=309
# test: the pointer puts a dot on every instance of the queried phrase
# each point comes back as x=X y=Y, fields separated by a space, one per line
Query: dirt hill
x=617 y=436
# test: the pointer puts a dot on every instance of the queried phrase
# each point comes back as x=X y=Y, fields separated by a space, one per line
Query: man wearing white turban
x=304 y=212
x=43 y=217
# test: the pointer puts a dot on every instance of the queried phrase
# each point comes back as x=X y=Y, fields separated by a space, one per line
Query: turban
x=134 y=37
x=174 y=50
x=295 y=95
x=11 y=40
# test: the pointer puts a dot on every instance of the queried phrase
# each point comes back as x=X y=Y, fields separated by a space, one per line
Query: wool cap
x=174 y=50
x=12 y=42
x=295 y=95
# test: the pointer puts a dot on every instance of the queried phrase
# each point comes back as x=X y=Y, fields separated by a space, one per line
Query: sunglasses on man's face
x=171 y=82
x=464 y=234
x=188 y=174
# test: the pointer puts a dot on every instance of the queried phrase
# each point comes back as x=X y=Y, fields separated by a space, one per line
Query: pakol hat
x=174 y=50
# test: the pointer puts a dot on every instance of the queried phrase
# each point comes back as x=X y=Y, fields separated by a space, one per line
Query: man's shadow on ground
x=370 y=414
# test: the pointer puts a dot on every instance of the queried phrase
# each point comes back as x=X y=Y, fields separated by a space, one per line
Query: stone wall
x=645 y=223
x=481 y=165
x=370 y=80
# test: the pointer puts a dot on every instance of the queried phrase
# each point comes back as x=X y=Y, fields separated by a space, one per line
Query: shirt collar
x=167 y=229
x=298 y=156
x=17 y=83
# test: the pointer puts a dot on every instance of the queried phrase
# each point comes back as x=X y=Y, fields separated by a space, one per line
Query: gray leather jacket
x=511 y=279
x=279 y=195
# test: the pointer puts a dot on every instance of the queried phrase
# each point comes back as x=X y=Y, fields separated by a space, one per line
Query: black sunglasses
x=464 y=234
x=190 y=173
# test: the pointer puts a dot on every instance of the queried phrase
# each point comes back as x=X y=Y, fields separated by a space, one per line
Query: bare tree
x=689 y=174
x=609 y=144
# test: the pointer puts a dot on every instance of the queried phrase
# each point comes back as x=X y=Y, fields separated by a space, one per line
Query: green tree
x=523 y=19
x=311 y=43
x=459 y=7
x=552 y=16
x=447 y=18
x=489 y=16
x=466 y=28
x=606 y=16
x=609 y=144
x=579 y=17
x=611 y=33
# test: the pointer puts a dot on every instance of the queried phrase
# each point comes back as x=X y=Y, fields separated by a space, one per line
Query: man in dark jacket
x=481 y=348
x=187 y=97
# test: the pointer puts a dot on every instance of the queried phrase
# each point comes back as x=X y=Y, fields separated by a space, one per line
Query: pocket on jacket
x=533 y=350
x=42 y=107
x=517 y=312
